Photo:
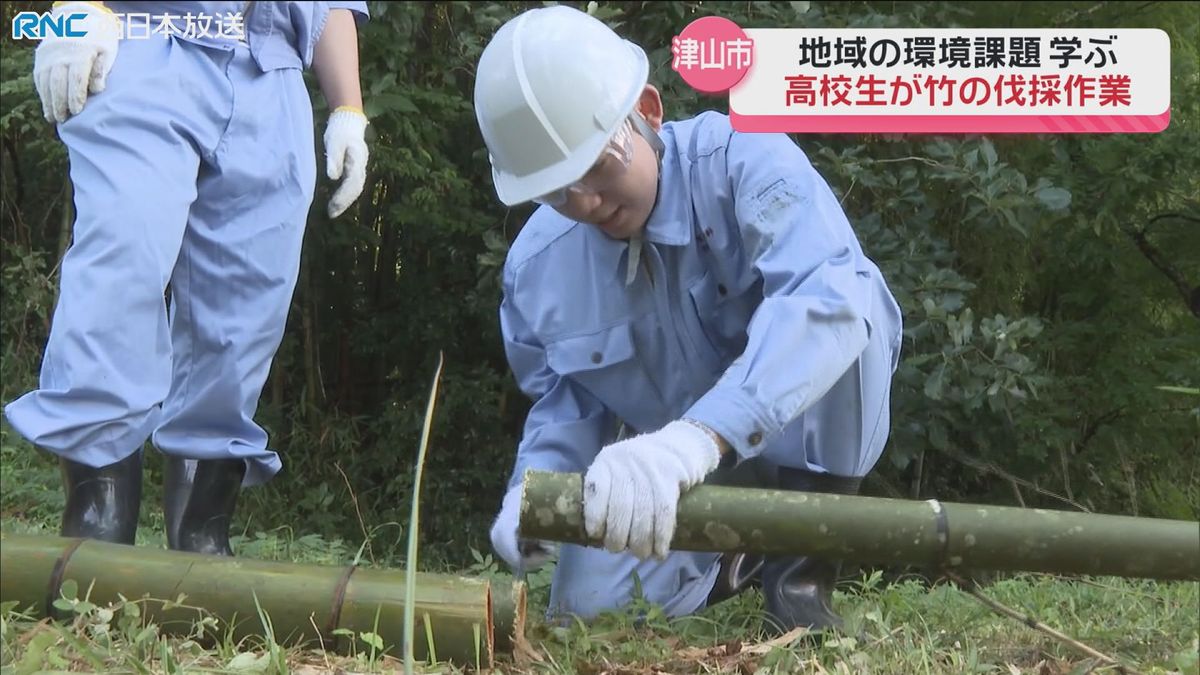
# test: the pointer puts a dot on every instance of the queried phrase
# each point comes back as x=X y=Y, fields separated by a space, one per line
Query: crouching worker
x=688 y=300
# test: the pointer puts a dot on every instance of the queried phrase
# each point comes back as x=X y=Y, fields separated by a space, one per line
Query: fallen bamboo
x=305 y=603
x=891 y=531
x=508 y=613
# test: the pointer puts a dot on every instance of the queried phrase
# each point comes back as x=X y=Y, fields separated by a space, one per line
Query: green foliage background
x=1050 y=286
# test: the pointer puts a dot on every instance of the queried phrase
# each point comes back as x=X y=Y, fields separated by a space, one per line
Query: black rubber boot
x=799 y=591
x=177 y=486
x=199 y=498
x=102 y=503
x=739 y=572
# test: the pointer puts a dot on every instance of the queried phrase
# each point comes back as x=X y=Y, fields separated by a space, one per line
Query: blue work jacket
x=753 y=301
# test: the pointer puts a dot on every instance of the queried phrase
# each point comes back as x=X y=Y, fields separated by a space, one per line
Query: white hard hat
x=552 y=86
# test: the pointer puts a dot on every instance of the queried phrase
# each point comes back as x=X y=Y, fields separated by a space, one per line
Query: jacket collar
x=670 y=221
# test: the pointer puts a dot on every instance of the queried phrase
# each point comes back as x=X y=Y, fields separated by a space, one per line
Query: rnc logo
x=35 y=25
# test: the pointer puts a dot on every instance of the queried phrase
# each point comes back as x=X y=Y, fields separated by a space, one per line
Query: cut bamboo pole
x=305 y=603
x=890 y=531
x=508 y=613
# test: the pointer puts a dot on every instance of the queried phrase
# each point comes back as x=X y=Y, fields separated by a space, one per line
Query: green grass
x=894 y=624
x=900 y=626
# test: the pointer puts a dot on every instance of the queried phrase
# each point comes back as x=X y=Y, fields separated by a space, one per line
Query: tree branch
x=1168 y=216
x=15 y=165
x=1191 y=296
x=989 y=467
x=1091 y=427
x=971 y=589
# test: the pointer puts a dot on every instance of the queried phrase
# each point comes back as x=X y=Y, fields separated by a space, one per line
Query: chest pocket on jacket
x=724 y=315
x=606 y=363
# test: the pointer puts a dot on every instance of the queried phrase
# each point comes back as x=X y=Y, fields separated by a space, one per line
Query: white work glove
x=522 y=555
x=346 y=154
x=67 y=69
x=632 y=489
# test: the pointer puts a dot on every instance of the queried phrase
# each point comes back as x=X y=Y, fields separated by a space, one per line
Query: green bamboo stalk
x=508 y=613
x=891 y=531
x=300 y=599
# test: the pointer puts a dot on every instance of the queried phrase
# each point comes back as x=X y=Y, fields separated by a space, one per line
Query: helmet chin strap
x=635 y=242
x=647 y=132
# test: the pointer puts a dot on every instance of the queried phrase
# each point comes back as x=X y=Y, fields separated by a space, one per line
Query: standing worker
x=189 y=131
x=697 y=287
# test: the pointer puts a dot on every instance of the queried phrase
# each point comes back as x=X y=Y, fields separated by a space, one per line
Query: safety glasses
x=614 y=161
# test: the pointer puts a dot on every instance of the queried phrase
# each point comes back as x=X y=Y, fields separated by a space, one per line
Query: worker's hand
x=346 y=156
x=67 y=69
x=523 y=555
x=631 y=490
